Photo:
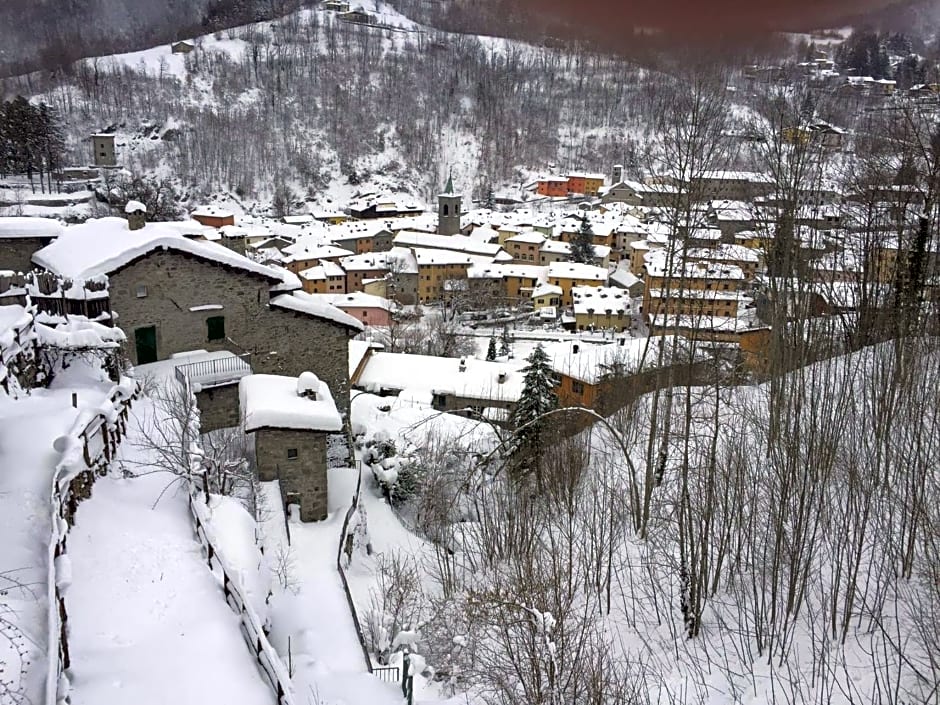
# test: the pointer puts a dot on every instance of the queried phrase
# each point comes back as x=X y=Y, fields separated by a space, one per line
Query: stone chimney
x=136 y=213
x=307 y=385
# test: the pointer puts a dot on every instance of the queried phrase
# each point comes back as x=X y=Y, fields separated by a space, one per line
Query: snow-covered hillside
x=322 y=108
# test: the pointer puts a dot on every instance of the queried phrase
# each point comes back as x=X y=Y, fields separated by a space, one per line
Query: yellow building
x=435 y=267
x=568 y=275
x=602 y=308
x=545 y=296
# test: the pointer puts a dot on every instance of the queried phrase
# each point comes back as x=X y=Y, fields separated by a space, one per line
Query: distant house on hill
x=182 y=47
x=357 y=15
x=213 y=216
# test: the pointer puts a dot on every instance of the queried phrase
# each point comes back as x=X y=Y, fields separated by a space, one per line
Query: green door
x=145 y=340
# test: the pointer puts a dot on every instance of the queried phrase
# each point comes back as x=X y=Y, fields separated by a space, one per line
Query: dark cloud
x=695 y=18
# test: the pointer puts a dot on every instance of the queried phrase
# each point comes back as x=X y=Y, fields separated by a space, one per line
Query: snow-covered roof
x=425 y=257
x=212 y=212
x=591 y=363
x=457 y=243
x=135 y=207
x=311 y=305
x=463 y=377
x=546 y=290
x=322 y=271
x=21 y=226
x=275 y=401
x=105 y=245
x=576 y=270
x=359 y=299
x=600 y=300
x=656 y=264
x=358 y=350
x=624 y=278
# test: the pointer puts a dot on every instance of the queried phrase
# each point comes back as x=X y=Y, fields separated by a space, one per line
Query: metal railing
x=217 y=371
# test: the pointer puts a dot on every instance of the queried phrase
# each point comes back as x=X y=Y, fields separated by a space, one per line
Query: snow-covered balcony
x=215 y=369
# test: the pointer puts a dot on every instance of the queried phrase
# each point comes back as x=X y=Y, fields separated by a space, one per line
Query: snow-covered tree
x=491 y=350
x=505 y=342
x=537 y=399
x=582 y=246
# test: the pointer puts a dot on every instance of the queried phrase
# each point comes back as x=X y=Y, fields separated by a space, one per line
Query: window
x=577 y=387
x=292 y=454
x=446 y=210
x=215 y=327
x=142 y=291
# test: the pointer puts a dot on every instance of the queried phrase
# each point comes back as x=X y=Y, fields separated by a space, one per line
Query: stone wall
x=303 y=476
x=218 y=408
x=281 y=342
x=175 y=283
x=287 y=343
x=16 y=253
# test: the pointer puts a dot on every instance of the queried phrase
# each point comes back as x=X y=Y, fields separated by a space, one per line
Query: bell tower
x=448 y=210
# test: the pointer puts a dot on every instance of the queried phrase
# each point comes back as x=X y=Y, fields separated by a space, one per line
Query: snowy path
x=148 y=622
x=328 y=662
x=28 y=428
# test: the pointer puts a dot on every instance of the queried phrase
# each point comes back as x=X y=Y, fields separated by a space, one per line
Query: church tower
x=448 y=210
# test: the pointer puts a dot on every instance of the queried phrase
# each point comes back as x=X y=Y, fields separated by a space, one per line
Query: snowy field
x=148 y=621
x=28 y=428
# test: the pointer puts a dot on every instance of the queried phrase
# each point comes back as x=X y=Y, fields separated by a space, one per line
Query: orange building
x=587 y=184
x=213 y=216
x=553 y=187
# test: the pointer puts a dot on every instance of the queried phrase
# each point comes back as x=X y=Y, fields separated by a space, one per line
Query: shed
x=291 y=419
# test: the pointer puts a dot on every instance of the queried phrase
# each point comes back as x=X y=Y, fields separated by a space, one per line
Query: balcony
x=214 y=370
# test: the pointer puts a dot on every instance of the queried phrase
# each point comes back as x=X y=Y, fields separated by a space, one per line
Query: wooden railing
x=86 y=453
x=344 y=537
x=252 y=628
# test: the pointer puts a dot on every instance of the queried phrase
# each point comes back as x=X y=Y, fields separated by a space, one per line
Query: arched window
x=446 y=210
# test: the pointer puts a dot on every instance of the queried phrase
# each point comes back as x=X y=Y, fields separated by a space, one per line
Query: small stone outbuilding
x=291 y=419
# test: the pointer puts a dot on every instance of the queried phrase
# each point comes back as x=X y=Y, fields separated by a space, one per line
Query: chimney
x=136 y=213
x=574 y=349
x=501 y=378
x=307 y=385
x=618 y=173
x=463 y=364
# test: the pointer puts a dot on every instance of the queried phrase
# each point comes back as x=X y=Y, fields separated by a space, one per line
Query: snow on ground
x=28 y=428
x=148 y=621
x=310 y=609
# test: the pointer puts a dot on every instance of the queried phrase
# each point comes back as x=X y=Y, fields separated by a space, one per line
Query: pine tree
x=491 y=350
x=582 y=246
x=489 y=200
x=505 y=342
x=537 y=399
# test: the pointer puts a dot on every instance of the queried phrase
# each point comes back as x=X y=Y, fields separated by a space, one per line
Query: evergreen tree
x=537 y=399
x=489 y=199
x=491 y=350
x=582 y=246
x=505 y=342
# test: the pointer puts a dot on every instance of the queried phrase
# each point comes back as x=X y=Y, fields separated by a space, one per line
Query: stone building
x=103 y=152
x=172 y=295
x=20 y=237
x=448 y=210
x=291 y=419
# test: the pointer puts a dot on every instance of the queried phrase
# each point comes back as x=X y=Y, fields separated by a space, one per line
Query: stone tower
x=448 y=210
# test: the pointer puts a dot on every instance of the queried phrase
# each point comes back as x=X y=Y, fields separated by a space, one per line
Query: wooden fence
x=86 y=454
x=389 y=674
x=252 y=628
x=345 y=546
